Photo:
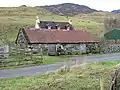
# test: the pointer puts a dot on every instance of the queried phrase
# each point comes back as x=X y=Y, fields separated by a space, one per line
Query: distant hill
x=23 y=6
x=69 y=9
x=116 y=11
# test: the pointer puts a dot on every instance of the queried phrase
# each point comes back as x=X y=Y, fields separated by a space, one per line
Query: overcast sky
x=106 y=5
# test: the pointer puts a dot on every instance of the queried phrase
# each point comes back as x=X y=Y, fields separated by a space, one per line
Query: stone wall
x=112 y=46
x=21 y=41
x=80 y=48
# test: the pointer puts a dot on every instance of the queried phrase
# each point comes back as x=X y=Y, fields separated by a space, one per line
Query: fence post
x=41 y=53
x=101 y=83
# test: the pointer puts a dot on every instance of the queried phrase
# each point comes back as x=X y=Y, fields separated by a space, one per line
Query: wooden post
x=41 y=51
x=31 y=54
x=16 y=46
x=31 y=47
x=41 y=54
x=79 y=48
x=101 y=84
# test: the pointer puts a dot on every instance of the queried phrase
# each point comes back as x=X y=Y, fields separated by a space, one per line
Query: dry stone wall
x=112 y=46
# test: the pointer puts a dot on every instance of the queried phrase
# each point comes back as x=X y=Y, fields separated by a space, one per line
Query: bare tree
x=111 y=22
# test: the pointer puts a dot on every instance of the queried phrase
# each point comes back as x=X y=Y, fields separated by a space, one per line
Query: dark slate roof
x=63 y=25
x=37 y=36
x=113 y=35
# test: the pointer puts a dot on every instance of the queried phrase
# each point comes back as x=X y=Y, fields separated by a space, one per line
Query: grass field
x=15 y=62
x=11 y=19
x=54 y=59
x=25 y=61
x=85 y=77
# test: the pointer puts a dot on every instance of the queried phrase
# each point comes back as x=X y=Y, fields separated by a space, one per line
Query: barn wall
x=76 y=48
x=4 y=50
x=21 y=41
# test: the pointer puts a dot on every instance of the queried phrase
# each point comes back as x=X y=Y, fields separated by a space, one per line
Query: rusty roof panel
x=58 y=36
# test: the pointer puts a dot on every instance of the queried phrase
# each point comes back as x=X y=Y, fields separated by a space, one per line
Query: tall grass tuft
x=63 y=70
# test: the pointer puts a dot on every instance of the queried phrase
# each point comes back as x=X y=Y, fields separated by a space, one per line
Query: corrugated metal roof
x=58 y=36
x=113 y=35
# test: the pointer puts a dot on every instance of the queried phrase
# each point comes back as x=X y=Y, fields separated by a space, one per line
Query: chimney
x=37 y=22
x=70 y=21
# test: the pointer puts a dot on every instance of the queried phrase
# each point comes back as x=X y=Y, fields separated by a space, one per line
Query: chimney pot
x=37 y=22
x=70 y=21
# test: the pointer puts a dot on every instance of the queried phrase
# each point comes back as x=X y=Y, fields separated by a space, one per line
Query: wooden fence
x=19 y=59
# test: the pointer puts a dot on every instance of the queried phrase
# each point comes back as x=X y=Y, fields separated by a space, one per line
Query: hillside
x=11 y=19
x=68 y=9
x=116 y=11
x=14 y=18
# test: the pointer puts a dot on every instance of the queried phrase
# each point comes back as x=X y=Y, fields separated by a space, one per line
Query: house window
x=68 y=28
x=46 y=27
x=56 y=27
x=65 y=27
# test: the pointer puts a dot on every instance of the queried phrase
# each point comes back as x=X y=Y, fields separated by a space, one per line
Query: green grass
x=13 y=61
x=54 y=59
x=85 y=77
x=110 y=63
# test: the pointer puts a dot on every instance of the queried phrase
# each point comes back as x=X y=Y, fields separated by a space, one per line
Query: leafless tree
x=111 y=22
